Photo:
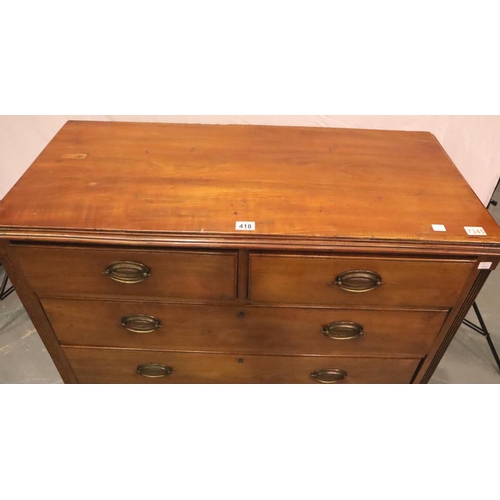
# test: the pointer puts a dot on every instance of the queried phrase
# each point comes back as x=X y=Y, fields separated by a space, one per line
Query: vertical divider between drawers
x=243 y=274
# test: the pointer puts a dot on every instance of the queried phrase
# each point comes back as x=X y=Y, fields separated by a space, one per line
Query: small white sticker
x=243 y=225
x=438 y=227
x=484 y=265
x=475 y=231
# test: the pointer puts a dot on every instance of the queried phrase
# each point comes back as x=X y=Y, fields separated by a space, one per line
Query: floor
x=468 y=360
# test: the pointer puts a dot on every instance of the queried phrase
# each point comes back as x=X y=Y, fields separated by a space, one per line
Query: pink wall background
x=472 y=142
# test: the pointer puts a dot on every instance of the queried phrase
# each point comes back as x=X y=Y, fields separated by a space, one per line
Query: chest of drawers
x=161 y=253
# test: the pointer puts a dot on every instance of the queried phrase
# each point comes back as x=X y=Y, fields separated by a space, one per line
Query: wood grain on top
x=291 y=181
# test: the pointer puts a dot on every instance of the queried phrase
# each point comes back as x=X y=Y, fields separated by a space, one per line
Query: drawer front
x=259 y=330
x=334 y=281
x=121 y=366
x=82 y=271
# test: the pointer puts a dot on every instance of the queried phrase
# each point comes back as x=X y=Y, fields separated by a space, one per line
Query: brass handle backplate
x=329 y=376
x=140 y=323
x=358 y=280
x=154 y=370
x=127 y=272
x=343 y=330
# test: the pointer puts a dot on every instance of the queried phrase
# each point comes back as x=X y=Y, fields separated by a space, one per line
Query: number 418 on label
x=243 y=225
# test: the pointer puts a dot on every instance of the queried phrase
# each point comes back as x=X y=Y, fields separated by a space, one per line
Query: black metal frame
x=4 y=290
x=492 y=201
x=483 y=331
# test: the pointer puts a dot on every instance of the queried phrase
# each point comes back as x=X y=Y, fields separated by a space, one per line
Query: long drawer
x=121 y=366
x=259 y=330
x=328 y=280
x=121 y=272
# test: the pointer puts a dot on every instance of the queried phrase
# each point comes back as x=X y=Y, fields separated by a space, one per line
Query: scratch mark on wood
x=80 y=156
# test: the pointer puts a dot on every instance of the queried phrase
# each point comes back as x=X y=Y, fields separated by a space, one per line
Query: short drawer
x=93 y=366
x=123 y=272
x=295 y=279
x=257 y=330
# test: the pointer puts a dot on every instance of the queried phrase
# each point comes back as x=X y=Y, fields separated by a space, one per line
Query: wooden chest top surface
x=294 y=182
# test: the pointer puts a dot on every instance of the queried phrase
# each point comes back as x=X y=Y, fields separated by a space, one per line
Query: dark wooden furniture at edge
x=162 y=253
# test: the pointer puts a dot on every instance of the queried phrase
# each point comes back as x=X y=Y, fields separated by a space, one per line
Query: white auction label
x=245 y=225
x=484 y=265
x=475 y=231
x=438 y=227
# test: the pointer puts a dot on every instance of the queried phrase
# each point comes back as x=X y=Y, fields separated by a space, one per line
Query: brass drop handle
x=154 y=370
x=343 y=330
x=140 y=323
x=329 y=376
x=358 y=280
x=127 y=272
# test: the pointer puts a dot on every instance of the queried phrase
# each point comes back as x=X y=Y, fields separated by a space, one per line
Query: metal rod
x=480 y=318
x=493 y=350
x=492 y=201
x=4 y=291
x=474 y=327
x=483 y=330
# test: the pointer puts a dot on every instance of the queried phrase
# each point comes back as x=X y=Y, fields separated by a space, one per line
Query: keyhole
x=241 y=314
x=240 y=360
